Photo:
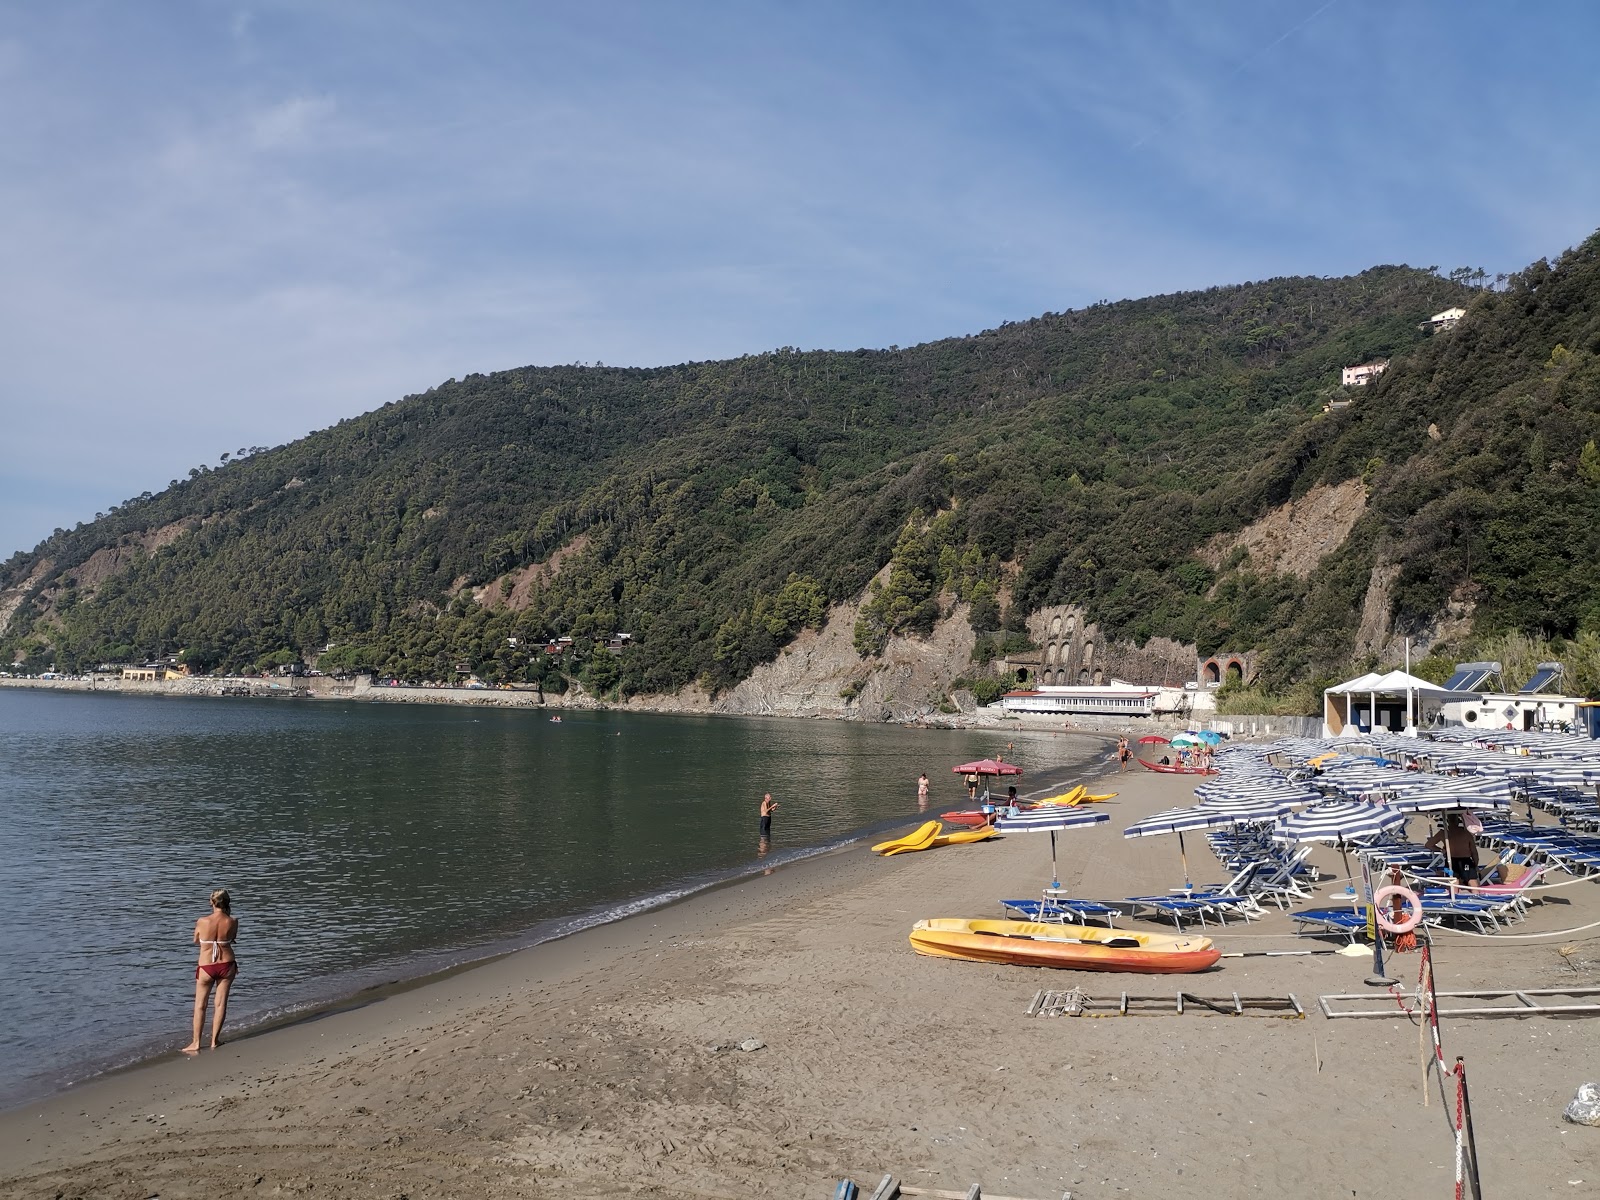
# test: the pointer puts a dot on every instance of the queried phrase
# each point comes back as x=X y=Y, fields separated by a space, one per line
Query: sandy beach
x=606 y=1063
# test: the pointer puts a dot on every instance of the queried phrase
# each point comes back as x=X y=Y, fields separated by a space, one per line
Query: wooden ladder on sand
x=889 y=1188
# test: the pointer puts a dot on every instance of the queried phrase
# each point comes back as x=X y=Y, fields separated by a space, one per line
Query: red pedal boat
x=1175 y=769
x=973 y=817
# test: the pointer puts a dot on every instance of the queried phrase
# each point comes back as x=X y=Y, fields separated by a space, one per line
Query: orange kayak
x=1070 y=947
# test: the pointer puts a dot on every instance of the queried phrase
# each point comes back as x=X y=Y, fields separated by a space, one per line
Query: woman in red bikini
x=215 y=935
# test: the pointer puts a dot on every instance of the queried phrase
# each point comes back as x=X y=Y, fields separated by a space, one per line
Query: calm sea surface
x=370 y=843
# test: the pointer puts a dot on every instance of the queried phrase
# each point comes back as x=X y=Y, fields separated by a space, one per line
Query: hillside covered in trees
x=714 y=509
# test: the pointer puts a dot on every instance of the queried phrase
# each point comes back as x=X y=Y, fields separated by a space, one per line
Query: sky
x=230 y=224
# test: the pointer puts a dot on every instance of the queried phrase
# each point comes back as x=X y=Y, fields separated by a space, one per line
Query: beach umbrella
x=1051 y=823
x=1186 y=739
x=1446 y=800
x=987 y=766
x=1338 y=821
x=1261 y=807
x=1177 y=820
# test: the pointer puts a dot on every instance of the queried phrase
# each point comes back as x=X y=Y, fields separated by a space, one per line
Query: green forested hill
x=711 y=509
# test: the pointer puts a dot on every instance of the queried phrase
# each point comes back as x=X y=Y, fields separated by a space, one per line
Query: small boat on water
x=1072 y=947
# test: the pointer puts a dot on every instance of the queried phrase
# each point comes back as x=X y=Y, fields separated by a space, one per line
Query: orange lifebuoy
x=1407 y=923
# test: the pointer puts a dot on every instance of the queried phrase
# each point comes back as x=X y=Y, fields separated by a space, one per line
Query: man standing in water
x=768 y=807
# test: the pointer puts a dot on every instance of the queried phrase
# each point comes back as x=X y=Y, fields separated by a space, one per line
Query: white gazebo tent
x=1394 y=701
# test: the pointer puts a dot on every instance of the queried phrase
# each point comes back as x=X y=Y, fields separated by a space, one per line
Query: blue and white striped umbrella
x=1051 y=823
x=1263 y=807
x=1177 y=820
x=1044 y=822
x=1338 y=821
x=1445 y=800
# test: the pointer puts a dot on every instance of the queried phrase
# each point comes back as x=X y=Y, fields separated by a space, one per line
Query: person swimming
x=215 y=934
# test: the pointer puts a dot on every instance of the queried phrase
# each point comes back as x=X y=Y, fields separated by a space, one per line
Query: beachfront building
x=1365 y=373
x=1533 y=706
x=1394 y=700
x=1448 y=319
x=1114 y=699
x=1403 y=703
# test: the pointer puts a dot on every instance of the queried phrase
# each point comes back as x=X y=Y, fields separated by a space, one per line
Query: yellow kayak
x=962 y=837
x=1078 y=795
x=1065 y=799
x=1074 y=947
x=920 y=839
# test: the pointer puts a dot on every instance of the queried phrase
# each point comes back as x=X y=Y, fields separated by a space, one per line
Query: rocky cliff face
x=820 y=674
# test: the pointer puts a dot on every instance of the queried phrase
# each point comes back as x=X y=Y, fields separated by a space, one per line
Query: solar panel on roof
x=1470 y=677
x=1547 y=674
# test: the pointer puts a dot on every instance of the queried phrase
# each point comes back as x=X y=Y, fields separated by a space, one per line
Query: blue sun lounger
x=1315 y=922
x=1058 y=909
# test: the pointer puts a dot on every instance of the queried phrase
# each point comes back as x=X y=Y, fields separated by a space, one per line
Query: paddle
x=1119 y=943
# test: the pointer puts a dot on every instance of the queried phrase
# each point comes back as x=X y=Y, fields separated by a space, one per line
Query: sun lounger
x=1063 y=909
x=1282 y=884
x=1177 y=907
x=1348 y=922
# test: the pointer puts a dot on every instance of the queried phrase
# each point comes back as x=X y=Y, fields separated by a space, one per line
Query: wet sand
x=584 y=1067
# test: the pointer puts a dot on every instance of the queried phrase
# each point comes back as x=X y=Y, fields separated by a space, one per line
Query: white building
x=1364 y=374
x=1532 y=707
x=1106 y=699
x=1447 y=319
x=1399 y=702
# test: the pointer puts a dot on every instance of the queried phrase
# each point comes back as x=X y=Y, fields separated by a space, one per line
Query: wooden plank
x=1038 y=1001
x=942 y=1194
x=887 y=1189
x=974 y=1193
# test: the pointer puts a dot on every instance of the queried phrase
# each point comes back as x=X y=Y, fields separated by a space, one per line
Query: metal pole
x=1055 y=875
x=1472 y=1142
x=1377 y=978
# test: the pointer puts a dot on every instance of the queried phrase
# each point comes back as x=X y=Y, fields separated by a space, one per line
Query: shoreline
x=325 y=689
x=458 y=959
x=585 y=1066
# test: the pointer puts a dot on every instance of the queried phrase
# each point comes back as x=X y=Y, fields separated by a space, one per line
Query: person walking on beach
x=215 y=934
x=1123 y=753
x=922 y=791
x=768 y=807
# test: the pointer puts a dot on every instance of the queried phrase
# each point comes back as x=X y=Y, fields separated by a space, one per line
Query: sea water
x=365 y=844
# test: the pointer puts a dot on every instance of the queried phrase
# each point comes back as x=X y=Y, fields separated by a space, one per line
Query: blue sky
x=226 y=225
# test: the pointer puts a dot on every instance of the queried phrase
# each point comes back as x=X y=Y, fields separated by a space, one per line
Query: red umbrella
x=1153 y=740
x=987 y=766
